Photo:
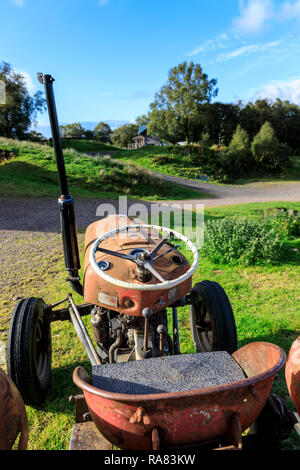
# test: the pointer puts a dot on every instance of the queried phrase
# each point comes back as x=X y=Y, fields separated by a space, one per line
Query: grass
x=146 y=157
x=32 y=172
x=265 y=301
x=89 y=145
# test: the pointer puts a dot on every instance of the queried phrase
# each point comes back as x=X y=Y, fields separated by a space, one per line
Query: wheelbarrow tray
x=185 y=418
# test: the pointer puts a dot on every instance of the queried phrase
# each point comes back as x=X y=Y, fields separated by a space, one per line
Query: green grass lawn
x=32 y=172
x=265 y=302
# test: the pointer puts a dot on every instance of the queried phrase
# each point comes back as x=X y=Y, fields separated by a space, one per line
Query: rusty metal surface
x=13 y=417
x=189 y=417
x=85 y=436
x=292 y=373
x=81 y=409
x=129 y=301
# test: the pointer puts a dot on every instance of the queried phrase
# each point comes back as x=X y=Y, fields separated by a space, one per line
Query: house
x=143 y=140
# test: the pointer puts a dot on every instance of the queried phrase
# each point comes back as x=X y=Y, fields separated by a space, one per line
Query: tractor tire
x=29 y=350
x=212 y=320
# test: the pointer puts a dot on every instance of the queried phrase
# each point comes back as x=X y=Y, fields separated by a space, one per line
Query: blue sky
x=109 y=57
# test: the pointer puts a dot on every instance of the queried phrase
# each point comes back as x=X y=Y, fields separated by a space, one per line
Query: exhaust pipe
x=65 y=201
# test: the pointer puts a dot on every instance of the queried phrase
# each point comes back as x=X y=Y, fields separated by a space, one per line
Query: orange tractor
x=143 y=394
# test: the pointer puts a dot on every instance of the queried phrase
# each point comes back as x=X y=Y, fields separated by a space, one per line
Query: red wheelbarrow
x=214 y=416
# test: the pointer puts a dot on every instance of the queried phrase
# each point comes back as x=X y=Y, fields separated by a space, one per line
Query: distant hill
x=46 y=131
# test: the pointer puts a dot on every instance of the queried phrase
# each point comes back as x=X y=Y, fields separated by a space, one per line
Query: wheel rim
x=203 y=327
x=41 y=350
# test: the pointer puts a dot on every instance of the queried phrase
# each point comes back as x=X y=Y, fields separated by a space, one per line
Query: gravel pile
x=168 y=373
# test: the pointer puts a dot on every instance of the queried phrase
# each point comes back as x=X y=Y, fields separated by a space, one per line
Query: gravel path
x=218 y=195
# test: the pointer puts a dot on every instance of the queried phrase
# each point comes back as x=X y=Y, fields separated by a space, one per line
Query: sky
x=110 y=57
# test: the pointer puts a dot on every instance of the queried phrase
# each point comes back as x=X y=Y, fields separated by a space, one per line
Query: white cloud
x=283 y=89
x=19 y=3
x=238 y=52
x=101 y=3
x=249 y=49
x=253 y=16
x=289 y=10
x=28 y=81
x=220 y=41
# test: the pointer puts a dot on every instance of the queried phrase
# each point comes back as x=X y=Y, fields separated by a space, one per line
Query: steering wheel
x=143 y=260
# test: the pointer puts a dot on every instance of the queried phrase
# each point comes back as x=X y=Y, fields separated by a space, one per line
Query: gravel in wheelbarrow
x=168 y=373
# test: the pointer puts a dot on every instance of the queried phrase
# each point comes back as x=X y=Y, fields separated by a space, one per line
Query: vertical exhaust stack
x=65 y=201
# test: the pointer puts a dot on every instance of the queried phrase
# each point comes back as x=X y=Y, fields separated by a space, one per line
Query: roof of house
x=142 y=129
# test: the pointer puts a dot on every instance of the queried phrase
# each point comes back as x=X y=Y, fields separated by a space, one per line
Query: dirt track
x=219 y=195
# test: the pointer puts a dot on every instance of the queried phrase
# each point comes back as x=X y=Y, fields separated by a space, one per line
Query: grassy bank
x=89 y=145
x=31 y=171
x=177 y=162
x=265 y=302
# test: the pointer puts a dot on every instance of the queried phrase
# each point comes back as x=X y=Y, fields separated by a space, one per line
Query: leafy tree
x=102 y=132
x=220 y=120
x=181 y=98
x=123 y=135
x=72 y=131
x=265 y=146
x=88 y=134
x=286 y=123
x=20 y=109
x=167 y=125
x=240 y=145
x=34 y=136
x=143 y=120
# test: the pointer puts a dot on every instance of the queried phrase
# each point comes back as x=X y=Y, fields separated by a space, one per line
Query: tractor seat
x=168 y=373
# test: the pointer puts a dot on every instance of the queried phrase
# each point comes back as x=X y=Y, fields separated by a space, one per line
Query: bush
x=242 y=240
x=162 y=158
x=286 y=225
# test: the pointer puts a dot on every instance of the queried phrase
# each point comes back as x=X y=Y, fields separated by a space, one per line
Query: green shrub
x=162 y=158
x=242 y=240
x=198 y=154
x=286 y=225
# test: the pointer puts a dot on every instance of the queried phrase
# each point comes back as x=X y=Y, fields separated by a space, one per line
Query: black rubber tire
x=29 y=350
x=274 y=424
x=211 y=303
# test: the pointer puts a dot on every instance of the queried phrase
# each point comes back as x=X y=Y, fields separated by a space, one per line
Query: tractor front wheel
x=29 y=350
x=212 y=320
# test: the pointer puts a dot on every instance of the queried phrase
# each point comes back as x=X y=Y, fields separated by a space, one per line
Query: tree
x=72 y=131
x=102 y=132
x=143 y=120
x=34 y=136
x=240 y=146
x=123 y=135
x=181 y=98
x=166 y=125
x=88 y=134
x=20 y=109
x=220 y=120
x=265 y=146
